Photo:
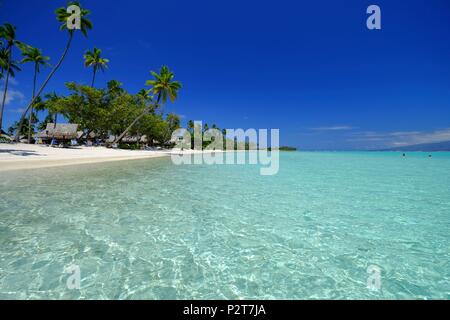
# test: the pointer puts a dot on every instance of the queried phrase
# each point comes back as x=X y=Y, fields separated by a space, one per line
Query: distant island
x=284 y=148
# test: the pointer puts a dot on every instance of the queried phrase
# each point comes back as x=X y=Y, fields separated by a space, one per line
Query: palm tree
x=114 y=86
x=144 y=94
x=13 y=67
x=51 y=105
x=147 y=99
x=190 y=126
x=35 y=56
x=162 y=86
x=94 y=59
x=62 y=16
x=8 y=33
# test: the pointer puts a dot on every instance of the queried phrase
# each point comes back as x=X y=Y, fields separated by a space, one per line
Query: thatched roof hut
x=59 y=131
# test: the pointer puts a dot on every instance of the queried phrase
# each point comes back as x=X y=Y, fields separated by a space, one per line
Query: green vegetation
x=61 y=16
x=101 y=113
x=284 y=148
x=112 y=114
x=34 y=55
x=96 y=61
x=7 y=64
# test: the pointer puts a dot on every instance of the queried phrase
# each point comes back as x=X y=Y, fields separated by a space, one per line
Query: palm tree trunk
x=146 y=110
x=31 y=111
x=93 y=78
x=6 y=86
x=43 y=86
x=54 y=127
x=85 y=133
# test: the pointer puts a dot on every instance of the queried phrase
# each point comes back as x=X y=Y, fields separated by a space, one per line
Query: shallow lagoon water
x=147 y=229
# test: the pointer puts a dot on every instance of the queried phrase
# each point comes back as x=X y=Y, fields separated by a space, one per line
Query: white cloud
x=403 y=138
x=11 y=81
x=333 y=128
x=18 y=110
x=12 y=95
x=423 y=137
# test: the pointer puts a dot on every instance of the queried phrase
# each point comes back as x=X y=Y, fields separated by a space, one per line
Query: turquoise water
x=147 y=229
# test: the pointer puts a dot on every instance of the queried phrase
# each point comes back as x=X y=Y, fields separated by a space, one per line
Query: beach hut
x=61 y=132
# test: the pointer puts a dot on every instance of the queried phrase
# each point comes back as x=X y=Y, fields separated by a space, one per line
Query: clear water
x=147 y=229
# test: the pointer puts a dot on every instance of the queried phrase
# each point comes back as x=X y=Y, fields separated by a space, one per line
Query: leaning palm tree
x=34 y=55
x=162 y=86
x=62 y=16
x=8 y=34
x=94 y=59
x=147 y=99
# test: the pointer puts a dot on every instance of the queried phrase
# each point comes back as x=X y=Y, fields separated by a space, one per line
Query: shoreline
x=6 y=166
x=21 y=156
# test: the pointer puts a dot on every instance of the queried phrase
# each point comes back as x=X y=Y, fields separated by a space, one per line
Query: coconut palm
x=190 y=126
x=144 y=94
x=62 y=16
x=162 y=86
x=94 y=59
x=52 y=106
x=115 y=86
x=8 y=34
x=13 y=68
x=34 y=55
x=146 y=98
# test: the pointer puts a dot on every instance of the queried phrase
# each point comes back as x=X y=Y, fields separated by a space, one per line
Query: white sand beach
x=20 y=156
x=30 y=156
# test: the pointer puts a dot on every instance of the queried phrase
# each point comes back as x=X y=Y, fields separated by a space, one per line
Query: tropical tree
x=96 y=61
x=173 y=120
x=8 y=34
x=25 y=129
x=163 y=86
x=52 y=106
x=62 y=16
x=190 y=126
x=35 y=56
x=114 y=88
x=13 y=65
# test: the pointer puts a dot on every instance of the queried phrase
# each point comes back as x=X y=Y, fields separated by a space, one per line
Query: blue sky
x=310 y=68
